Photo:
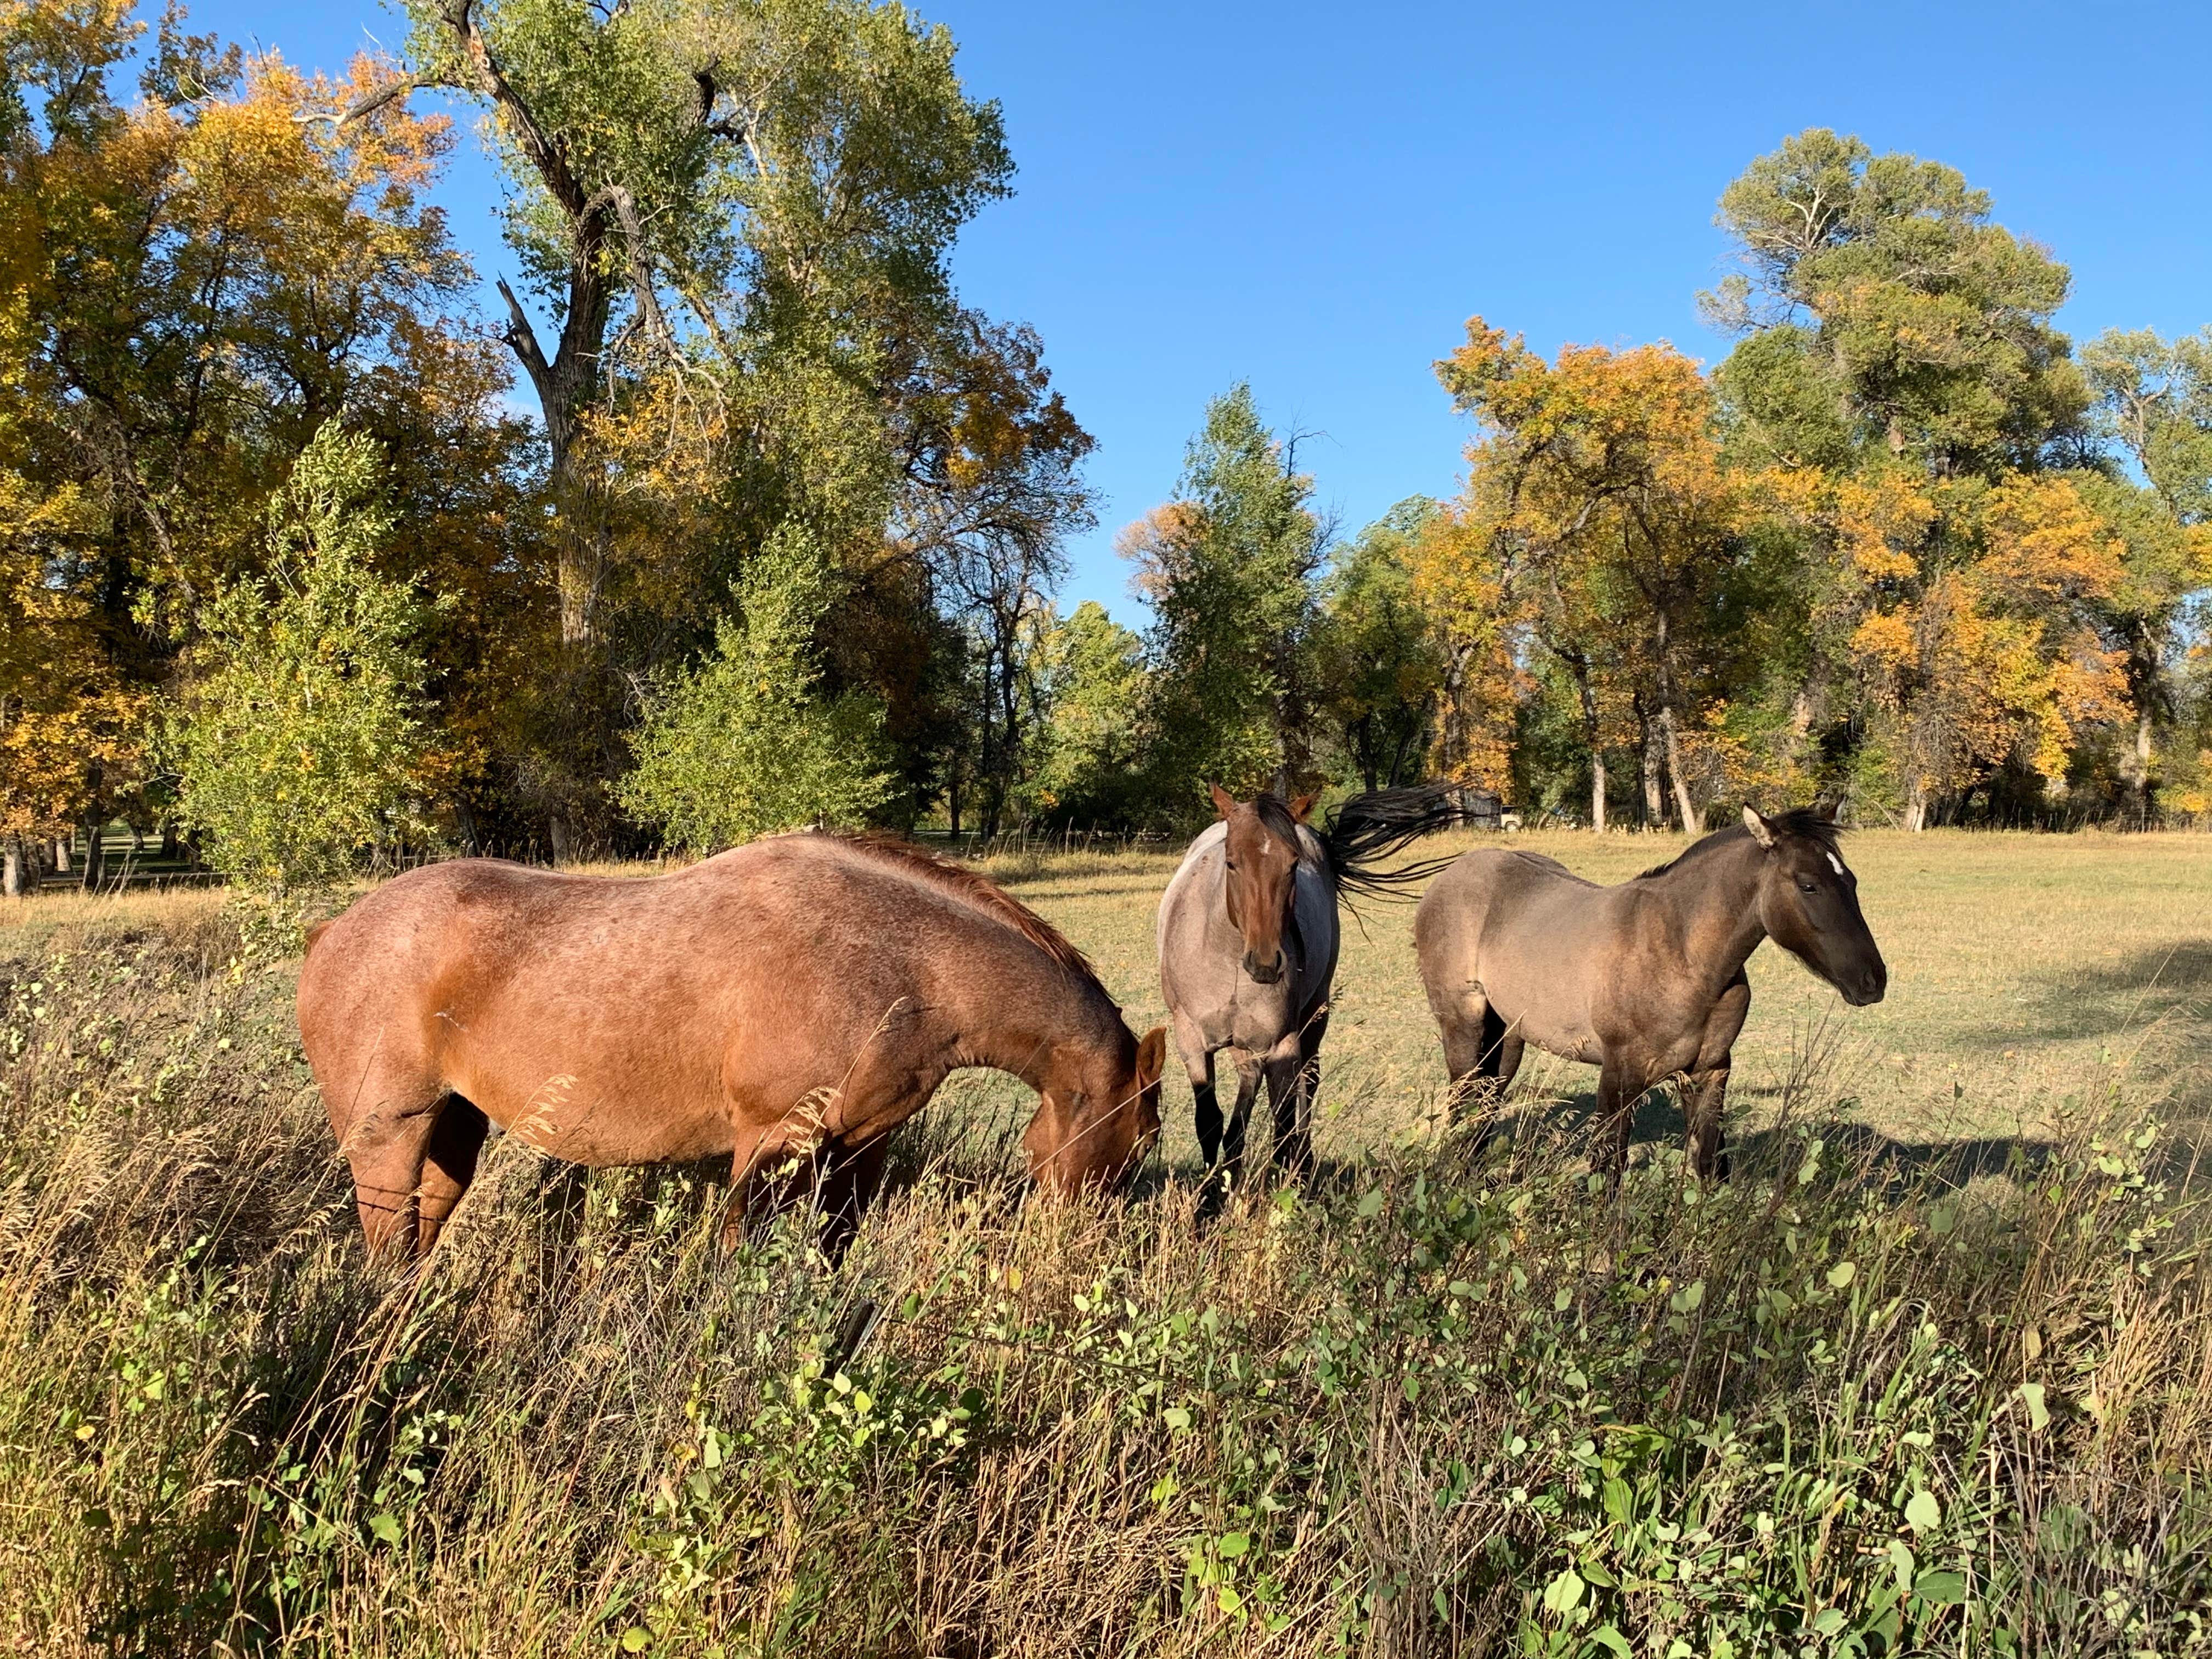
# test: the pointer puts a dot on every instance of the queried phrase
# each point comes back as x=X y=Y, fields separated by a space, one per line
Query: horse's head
x=1262 y=850
x=1809 y=902
x=1098 y=1116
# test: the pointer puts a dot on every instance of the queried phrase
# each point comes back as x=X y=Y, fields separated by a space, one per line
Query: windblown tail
x=1368 y=829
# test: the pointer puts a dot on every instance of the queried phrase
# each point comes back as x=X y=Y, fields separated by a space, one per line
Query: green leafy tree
x=746 y=744
x=1884 y=308
x=1094 y=683
x=298 y=739
x=1379 y=661
x=1230 y=568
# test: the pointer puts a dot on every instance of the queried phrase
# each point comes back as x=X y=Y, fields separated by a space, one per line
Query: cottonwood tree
x=1604 y=507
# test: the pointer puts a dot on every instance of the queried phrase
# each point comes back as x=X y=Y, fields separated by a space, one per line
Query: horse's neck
x=1019 y=1030
x=1716 y=897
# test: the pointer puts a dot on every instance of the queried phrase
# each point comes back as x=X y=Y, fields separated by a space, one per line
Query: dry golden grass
x=1907 y=1384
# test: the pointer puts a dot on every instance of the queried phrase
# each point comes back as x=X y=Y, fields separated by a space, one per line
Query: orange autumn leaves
x=1604 y=532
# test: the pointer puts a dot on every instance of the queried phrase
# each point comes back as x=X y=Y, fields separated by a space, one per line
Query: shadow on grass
x=2114 y=997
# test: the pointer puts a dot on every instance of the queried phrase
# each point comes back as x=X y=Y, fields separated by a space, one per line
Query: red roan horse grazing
x=1645 y=980
x=801 y=995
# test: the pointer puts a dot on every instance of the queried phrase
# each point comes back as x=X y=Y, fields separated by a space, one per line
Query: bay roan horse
x=1645 y=980
x=803 y=995
x=1248 y=942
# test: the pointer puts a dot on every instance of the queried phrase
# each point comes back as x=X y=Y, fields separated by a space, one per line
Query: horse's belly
x=598 y=1110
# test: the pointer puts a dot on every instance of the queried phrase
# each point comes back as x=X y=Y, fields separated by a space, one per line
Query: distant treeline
x=282 y=564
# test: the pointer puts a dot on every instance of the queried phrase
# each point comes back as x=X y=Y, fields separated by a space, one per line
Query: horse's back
x=610 y=1000
x=1518 y=931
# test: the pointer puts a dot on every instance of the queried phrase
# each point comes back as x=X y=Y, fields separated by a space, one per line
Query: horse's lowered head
x=1261 y=879
x=1099 y=1117
x=1809 y=902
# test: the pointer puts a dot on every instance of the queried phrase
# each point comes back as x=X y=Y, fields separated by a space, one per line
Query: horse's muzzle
x=1869 y=990
x=1263 y=973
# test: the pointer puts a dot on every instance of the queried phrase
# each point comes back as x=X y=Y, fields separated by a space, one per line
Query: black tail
x=1368 y=829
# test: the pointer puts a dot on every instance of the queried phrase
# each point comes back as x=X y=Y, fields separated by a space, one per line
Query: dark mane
x=1367 y=828
x=1804 y=820
x=975 y=890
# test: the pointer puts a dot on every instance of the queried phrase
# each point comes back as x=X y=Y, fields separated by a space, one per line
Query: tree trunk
x=169 y=847
x=1693 y=820
x=95 y=855
x=556 y=832
x=1915 y=808
x=11 y=868
x=63 y=849
x=1654 y=805
x=1591 y=735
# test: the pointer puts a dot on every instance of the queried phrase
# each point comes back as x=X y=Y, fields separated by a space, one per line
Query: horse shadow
x=1854 y=1149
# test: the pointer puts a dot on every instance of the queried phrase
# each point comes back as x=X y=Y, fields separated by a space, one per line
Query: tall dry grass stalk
x=1446 y=1400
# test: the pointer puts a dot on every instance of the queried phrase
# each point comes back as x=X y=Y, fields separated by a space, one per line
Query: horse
x=797 y=998
x=1248 y=944
x=1644 y=979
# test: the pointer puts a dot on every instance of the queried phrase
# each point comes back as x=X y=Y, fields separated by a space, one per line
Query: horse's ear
x=1152 y=1056
x=1223 y=802
x=1300 y=806
x=1827 y=808
x=1761 y=830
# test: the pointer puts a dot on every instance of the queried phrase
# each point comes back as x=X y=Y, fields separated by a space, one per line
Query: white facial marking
x=1266 y=845
x=1837 y=863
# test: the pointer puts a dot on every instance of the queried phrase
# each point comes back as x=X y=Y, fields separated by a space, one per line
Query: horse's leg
x=852 y=1177
x=449 y=1163
x=384 y=1133
x=1618 y=1092
x=1292 y=1149
x=1706 y=1098
x=1205 y=1104
x=1228 y=1171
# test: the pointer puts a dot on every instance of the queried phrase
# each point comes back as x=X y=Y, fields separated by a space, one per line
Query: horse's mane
x=975 y=890
x=1806 y=820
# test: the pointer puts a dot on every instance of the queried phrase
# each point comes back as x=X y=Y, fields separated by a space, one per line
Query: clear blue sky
x=1314 y=197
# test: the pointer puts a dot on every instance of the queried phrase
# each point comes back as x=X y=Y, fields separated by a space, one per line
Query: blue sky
x=1316 y=198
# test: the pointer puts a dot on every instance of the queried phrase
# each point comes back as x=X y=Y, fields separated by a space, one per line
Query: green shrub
x=745 y=744
x=298 y=738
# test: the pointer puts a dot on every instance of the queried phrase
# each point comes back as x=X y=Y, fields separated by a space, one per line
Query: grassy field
x=1932 y=1374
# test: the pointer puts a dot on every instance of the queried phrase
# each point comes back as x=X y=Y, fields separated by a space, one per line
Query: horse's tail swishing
x=1368 y=829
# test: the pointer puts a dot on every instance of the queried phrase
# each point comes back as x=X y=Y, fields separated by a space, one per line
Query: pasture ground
x=1932 y=1374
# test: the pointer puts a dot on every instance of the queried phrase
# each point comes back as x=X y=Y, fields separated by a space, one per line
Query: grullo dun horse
x=1645 y=980
x=798 y=997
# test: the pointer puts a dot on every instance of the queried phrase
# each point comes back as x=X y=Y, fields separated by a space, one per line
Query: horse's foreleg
x=1228 y=1171
x=1707 y=1101
x=1205 y=1103
x=1617 y=1094
x=449 y=1164
x=1291 y=1151
x=384 y=1146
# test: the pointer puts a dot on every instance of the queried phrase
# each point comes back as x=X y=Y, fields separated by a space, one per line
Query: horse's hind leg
x=1291 y=1089
x=449 y=1163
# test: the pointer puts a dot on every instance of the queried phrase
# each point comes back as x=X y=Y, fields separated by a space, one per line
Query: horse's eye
x=1808 y=887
